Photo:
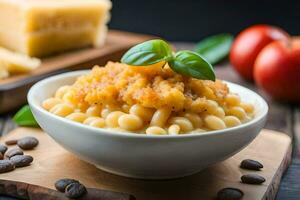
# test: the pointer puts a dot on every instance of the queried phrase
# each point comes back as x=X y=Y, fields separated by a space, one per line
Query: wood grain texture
x=281 y=117
x=13 y=90
x=34 y=192
x=52 y=163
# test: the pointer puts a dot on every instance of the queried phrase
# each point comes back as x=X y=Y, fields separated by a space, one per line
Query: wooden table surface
x=282 y=117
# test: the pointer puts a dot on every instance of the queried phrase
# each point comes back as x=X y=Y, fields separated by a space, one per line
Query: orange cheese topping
x=155 y=86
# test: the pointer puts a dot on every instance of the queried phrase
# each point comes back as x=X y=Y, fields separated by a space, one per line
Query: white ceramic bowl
x=143 y=156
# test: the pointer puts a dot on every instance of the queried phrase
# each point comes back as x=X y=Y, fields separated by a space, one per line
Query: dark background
x=191 y=20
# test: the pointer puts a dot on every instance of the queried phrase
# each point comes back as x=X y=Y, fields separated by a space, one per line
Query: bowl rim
x=43 y=83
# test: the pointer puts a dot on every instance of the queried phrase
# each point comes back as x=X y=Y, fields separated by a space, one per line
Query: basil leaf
x=24 y=117
x=192 y=64
x=148 y=53
x=215 y=48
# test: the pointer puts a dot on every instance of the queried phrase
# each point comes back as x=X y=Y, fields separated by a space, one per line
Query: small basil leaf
x=24 y=117
x=147 y=53
x=192 y=64
x=215 y=48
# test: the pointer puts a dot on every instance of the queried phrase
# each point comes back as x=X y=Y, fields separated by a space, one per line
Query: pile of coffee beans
x=73 y=189
x=252 y=178
x=25 y=143
x=14 y=152
x=237 y=194
x=14 y=157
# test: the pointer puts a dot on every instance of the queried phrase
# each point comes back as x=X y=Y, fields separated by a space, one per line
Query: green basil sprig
x=148 y=53
x=24 y=117
x=215 y=48
x=191 y=64
x=185 y=62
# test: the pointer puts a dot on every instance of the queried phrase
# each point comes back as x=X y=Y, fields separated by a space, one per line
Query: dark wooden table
x=282 y=117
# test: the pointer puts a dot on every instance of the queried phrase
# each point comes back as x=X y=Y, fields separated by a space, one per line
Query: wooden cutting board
x=52 y=162
x=13 y=90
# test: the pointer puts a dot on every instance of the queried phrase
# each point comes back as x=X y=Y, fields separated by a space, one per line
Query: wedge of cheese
x=15 y=63
x=42 y=27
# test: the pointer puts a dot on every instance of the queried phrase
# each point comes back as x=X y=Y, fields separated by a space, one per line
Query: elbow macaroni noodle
x=208 y=107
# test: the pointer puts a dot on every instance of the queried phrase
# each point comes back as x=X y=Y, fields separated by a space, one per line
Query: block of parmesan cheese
x=43 y=27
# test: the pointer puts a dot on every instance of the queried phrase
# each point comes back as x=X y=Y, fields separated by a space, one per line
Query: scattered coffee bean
x=1 y=156
x=2 y=149
x=252 y=179
x=6 y=166
x=75 y=190
x=61 y=184
x=21 y=160
x=11 y=142
x=27 y=143
x=13 y=152
x=251 y=164
x=230 y=194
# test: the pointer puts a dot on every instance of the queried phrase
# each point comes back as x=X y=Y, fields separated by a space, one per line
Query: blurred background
x=191 y=20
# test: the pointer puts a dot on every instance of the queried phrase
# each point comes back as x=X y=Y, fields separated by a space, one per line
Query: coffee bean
x=252 y=179
x=27 y=143
x=13 y=152
x=1 y=156
x=11 y=142
x=251 y=164
x=75 y=190
x=230 y=194
x=2 y=149
x=6 y=166
x=21 y=160
x=61 y=184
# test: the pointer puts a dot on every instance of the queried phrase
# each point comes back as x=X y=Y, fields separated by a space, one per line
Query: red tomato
x=249 y=43
x=277 y=70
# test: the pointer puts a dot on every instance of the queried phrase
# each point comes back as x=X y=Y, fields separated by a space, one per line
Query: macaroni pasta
x=148 y=100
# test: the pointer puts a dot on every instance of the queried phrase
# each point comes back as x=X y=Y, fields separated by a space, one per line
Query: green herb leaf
x=192 y=64
x=148 y=53
x=215 y=48
x=184 y=62
x=24 y=117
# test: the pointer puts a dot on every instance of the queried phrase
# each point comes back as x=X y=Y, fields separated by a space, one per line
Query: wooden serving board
x=13 y=90
x=52 y=162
